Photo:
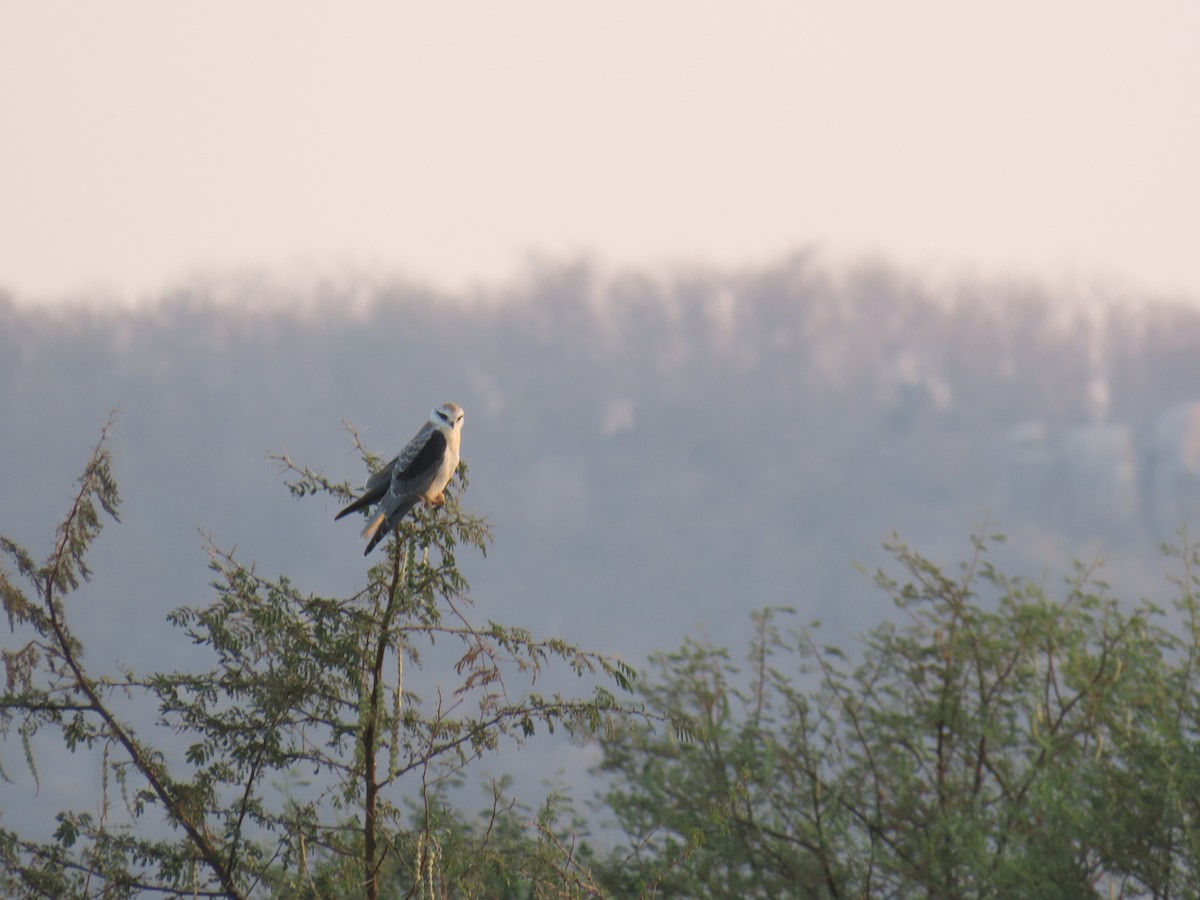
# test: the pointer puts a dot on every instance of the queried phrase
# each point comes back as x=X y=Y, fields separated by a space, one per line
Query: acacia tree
x=301 y=737
x=996 y=742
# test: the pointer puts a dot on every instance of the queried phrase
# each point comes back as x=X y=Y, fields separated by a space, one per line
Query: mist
x=658 y=456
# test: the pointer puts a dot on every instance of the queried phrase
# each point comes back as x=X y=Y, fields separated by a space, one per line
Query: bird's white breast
x=448 y=467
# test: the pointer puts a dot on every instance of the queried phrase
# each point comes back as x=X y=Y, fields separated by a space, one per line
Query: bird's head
x=447 y=418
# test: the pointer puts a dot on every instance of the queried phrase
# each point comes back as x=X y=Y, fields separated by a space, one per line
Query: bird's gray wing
x=381 y=480
x=414 y=473
x=407 y=486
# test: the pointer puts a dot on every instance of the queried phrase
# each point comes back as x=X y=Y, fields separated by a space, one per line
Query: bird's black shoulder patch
x=427 y=459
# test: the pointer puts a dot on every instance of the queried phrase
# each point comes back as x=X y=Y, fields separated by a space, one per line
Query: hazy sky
x=144 y=142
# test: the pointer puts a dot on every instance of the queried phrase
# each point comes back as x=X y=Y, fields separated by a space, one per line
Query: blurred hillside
x=658 y=456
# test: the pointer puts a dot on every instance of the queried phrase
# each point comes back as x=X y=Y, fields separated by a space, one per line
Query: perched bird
x=420 y=472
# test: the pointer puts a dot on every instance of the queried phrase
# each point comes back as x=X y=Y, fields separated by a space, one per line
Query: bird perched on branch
x=420 y=472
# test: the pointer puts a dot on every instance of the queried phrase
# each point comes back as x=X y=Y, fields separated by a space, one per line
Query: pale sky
x=145 y=142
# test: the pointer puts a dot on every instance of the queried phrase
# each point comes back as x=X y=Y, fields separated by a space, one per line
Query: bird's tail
x=381 y=523
x=374 y=525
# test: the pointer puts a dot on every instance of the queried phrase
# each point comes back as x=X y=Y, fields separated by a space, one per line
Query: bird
x=420 y=472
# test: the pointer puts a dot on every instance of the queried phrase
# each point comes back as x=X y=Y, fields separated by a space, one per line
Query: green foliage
x=995 y=740
x=996 y=743
x=301 y=739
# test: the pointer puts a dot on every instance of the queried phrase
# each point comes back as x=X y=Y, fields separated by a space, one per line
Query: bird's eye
x=443 y=416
